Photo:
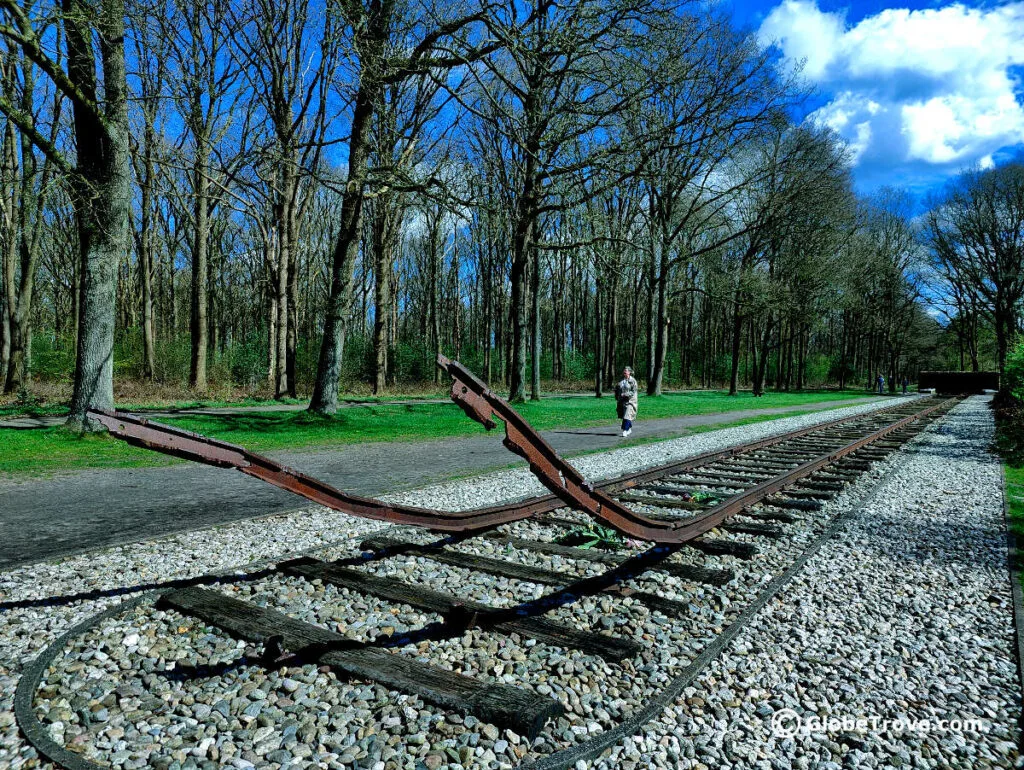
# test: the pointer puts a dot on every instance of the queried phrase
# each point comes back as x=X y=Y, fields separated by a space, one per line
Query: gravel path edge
x=1013 y=560
x=33 y=673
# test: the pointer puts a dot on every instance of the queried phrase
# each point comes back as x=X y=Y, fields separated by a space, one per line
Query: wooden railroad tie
x=503 y=705
x=688 y=572
x=610 y=648
x=668 y=607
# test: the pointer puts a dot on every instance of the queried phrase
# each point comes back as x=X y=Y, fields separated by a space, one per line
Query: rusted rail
x=751 y=475
x=482 y=404
x=193 y=446
x=567 y=484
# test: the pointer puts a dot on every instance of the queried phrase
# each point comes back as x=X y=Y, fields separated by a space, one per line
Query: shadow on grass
x=260 y=423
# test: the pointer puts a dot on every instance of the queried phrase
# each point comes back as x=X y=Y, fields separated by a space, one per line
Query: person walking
x=626 y=402
x=905 y=383
x=881 y=385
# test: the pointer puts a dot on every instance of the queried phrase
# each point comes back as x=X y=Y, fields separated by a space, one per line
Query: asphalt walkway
x=47 y=518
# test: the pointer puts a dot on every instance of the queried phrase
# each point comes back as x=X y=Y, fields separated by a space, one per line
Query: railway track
x=713 y=513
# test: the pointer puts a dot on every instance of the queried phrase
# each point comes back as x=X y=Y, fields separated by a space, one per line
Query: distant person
x=881 y=385
x=626 y=402
x=905 y=383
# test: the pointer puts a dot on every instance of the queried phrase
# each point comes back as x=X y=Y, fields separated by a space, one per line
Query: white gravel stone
x=904 y=616
x=116 y=696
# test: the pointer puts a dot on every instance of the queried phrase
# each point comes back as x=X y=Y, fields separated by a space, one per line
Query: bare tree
x=551 y=97
x=100 y=179
x=976 y=233
x=390 y=46
x=31 y=175
x=717 y=90
x=151 y=55
x=8 y=204
x=204 y=82
x=795 y=170
x=290 y=51
x=401 y=142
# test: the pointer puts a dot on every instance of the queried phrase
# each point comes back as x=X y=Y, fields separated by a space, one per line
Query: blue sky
x=920 y=90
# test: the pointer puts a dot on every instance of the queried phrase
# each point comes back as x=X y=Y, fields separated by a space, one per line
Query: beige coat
x=626 y=393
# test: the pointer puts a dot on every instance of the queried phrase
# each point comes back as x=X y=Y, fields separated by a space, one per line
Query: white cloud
x=808 y=34
x=929 y=86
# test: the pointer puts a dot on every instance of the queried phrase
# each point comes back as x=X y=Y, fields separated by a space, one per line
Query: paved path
x=42 y=519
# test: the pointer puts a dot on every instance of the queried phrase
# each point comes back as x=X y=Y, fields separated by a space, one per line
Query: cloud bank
x=920 y=91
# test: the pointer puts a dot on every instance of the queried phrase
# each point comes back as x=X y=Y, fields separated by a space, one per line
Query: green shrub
x=817 y=369
x=1013 y=376
x=578 y=366
x=53 y=359
x=247 y=360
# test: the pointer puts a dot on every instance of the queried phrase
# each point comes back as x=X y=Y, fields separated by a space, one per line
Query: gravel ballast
x=153 y=688
x=902 y=620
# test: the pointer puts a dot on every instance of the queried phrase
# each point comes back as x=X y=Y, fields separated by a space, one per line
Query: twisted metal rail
x=567 y=485
x=502 y=703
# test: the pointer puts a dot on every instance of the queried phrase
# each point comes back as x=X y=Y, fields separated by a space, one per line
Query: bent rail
x=567 y=484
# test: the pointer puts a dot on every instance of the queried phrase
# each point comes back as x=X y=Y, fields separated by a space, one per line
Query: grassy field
x=46 y=451
x=1015 y=500
x=1009 y=415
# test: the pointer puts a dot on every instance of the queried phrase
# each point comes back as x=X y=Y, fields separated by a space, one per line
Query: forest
x=296 y=199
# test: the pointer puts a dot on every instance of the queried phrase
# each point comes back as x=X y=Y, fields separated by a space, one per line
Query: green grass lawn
x=1015 y=501
x=46 y=451
x=44 y=408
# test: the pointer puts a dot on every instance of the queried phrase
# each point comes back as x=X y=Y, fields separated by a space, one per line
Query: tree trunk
x=598 y=343
x=434 y=251
x=737 y=337
x=535 y=318
x=802 y=356
x=20 y=322
x=634 y=325
x=102 y=204
x=652 y=283
x=611 y=320
x=146 y=240
x=661 y=325
x=292 y=340
x=346 y=248
x=281 y=324
x=271 y=338
x=521 y=247
x=1004 y=325
x=843 y=352
x=213 y=299
x=200 y=268
x=9 y=206
x=456 y=300
x=383 y=235
x=28 y=230
x=973 y=344
x=761 y=361
x=488 y=320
